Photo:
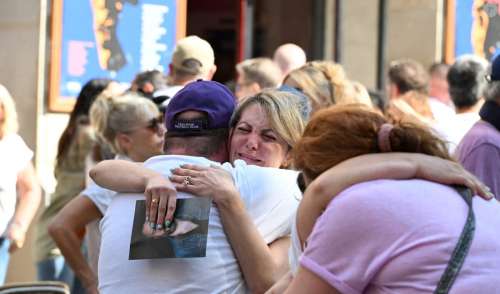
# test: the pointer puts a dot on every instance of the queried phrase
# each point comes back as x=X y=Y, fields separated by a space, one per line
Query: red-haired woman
x=388 y=235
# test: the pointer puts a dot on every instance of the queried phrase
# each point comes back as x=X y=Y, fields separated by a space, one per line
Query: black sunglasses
x=154 y=124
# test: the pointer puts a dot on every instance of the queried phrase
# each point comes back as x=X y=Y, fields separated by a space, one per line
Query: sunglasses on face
x=155 y=124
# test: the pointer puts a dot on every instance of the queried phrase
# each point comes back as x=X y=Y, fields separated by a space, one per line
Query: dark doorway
x=216 y=22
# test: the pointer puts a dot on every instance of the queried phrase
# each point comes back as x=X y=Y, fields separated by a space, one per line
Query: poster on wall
x=109 y=39
x=473 y=27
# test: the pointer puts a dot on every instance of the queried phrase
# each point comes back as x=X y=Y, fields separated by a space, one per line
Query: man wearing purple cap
x=479 y=150
x=197 y=121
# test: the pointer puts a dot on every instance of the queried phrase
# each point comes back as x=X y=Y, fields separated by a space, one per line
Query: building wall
x=413 y=30
x=359 y=50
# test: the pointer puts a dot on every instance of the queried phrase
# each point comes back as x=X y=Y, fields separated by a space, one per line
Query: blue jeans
x=4 y=259
x=55 y=269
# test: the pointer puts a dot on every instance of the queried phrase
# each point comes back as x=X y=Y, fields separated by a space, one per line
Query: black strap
x=461 y=249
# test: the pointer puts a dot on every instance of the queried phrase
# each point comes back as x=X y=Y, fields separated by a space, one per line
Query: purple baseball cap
x=209 y=97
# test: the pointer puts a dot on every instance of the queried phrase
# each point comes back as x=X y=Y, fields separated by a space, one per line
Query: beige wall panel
x=359 y=54
x=412 y=30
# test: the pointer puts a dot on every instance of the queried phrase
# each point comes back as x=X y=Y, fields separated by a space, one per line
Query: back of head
x=262 y=71
x=325 y=83
x=438 y=84
x=89 y=92
x=9 y=123
x=113 y=115
x=197 y=119
x=193 y=58
x=408 y=75
x=80 y=113
x=289 y=57
x=466 y=79
x=341 y=132
x=283 y=113
x=439 y=70
x=356 y=93
x=154 y=78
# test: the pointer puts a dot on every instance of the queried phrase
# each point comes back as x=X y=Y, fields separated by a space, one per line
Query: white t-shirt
x=455 y=128
x=270 y=196
x=15 y=156
x=440 y=111
x=169 y=92
x=101 y=198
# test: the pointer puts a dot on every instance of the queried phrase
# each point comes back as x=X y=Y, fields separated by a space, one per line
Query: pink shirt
x=391 y=236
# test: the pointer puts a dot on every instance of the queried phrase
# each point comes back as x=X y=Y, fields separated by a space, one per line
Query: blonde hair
x=10 y=124
x=282 y=111
x=326 y=84
x=262 y=71
x=120 y=114
x=356 y=94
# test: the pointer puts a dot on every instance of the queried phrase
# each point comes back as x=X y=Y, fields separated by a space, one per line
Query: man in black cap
x=479 y=150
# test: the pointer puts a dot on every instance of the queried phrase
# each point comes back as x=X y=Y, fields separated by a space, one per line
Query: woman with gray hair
x=479 y=150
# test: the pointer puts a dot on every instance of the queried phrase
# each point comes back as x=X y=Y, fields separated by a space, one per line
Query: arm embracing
x=68 y=228
x=121 y=175
x=262 y=264
x=126 y=176
x=379 y=166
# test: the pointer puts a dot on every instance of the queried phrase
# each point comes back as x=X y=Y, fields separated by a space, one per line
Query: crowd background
x=416 y=30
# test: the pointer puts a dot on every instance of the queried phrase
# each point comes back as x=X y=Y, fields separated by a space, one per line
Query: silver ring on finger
x=188 y=181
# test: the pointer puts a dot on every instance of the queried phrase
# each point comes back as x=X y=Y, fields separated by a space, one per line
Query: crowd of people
x=315 y=183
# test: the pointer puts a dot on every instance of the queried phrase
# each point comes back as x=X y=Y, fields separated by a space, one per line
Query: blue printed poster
x=477 y=27
x=114 y=39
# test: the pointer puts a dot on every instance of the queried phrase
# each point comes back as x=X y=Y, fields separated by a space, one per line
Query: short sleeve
x=484 y=161
x=338 y=251
x=20 y=153
x=271 y=197
x=101 y=197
